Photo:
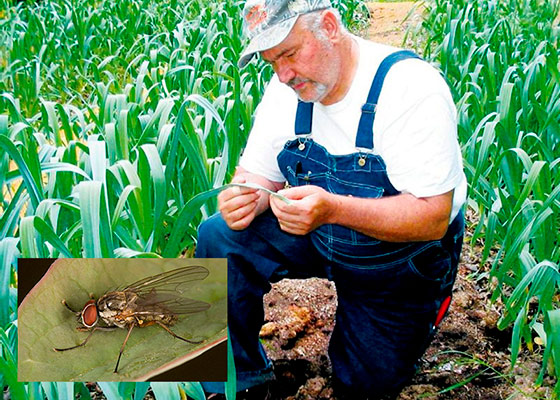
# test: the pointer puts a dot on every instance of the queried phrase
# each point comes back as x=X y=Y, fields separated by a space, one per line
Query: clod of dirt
x=314 y=389
x=299 y=319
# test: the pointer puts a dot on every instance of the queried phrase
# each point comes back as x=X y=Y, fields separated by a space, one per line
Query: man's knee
x=211 y=234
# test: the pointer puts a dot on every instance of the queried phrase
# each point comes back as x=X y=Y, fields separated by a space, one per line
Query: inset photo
x=122 y=319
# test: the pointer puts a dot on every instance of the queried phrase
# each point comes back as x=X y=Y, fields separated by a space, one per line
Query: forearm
x=401 y=218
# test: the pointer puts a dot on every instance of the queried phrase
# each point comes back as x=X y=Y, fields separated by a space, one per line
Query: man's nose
x=284 y=71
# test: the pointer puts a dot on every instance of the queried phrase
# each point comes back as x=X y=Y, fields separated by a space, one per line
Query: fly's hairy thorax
x=122 y=308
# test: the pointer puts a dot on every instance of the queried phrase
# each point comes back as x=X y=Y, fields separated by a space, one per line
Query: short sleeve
x=417 y=131
x=273 y=126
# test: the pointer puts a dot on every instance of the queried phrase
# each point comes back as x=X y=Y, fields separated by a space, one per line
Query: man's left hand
x=311 y=207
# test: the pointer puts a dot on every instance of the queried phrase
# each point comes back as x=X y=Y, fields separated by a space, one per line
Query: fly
x=155 y=300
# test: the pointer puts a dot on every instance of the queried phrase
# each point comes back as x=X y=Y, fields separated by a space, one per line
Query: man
x=363 y=137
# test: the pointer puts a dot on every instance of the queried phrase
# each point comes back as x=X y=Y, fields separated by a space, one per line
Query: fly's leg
x=175 y=335
x=122 y=347
x=91 y=296
x=99 y=328
x=70 y=308
x=82 y=329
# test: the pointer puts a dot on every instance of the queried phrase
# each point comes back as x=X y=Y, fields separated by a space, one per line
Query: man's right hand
x=239 y=206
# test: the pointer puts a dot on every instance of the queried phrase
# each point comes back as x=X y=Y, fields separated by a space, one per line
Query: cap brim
x=267 y=39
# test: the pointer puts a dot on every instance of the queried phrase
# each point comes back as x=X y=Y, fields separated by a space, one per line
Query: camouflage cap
x=268 y=22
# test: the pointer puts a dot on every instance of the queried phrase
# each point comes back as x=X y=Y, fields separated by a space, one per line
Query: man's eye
x=290 y=55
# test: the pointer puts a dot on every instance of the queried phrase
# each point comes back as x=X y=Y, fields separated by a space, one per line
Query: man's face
x=305 y=63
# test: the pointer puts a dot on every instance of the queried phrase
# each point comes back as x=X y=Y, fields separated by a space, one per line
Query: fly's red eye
x=89 y=314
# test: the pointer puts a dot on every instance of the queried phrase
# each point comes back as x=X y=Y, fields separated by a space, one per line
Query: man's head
x=311 y=51
x=268 y=22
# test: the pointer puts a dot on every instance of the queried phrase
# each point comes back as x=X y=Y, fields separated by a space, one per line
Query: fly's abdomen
x=165 y=318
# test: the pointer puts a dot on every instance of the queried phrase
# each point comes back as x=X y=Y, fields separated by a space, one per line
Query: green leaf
x=231 y=383
x=63 y=167
x=97 y=234
x=123 y=198
x=194 y=390
x=140 y=390
x=110 y=390
x=49 y=389
x=520 y=321
x=8 y=369
x=125 y=173
x=44 y=323
x=552 y=326
x=188 y=212
x=50 y=236
x=65 y=390
x=150 y=170
x=166 y=390
x=35 y=193
x=8 y=256
x=31 y=244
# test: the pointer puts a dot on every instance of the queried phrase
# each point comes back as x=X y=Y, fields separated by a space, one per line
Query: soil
x=391 y=22
x=469 y=358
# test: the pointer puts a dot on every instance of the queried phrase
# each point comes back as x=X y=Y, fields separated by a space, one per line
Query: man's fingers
x=240 y=190
x=242 y=223
x=241 y=212
x=238 y=211
x=292 y=211
x=233 y=192
x=298 y=192
x=230 y=199
x=292 y=228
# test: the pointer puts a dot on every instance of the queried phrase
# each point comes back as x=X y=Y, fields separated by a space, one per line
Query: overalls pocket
x=432 y=264
x=299 y=178
x=356 y=189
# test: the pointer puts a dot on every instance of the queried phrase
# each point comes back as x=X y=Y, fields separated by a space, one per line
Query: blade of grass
x=166 y=391
x=35 y=193
x=194 y=390
x=97 y=236
x=8 y=256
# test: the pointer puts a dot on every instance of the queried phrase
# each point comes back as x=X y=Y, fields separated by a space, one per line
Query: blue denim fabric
x=385 y=313
x=389 y=294
x=258 y=255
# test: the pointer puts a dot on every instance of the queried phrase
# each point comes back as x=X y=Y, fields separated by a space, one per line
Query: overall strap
x=364 y=137
x=304 y=118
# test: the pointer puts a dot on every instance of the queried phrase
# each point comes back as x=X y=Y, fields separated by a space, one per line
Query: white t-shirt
x=415 y=128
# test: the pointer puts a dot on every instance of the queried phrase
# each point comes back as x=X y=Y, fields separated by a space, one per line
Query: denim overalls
x=389 y=294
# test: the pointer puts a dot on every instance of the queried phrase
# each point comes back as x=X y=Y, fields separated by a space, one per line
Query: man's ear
x=330 y=26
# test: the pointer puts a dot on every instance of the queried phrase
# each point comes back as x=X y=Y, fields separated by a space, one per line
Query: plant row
x=501 y=60
x=117 y=119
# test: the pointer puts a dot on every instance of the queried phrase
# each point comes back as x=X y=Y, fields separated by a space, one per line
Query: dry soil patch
x=390 y=21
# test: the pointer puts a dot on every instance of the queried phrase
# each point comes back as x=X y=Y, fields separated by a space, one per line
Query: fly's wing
x=163 y=293
x=167 y=303
x=174 y=281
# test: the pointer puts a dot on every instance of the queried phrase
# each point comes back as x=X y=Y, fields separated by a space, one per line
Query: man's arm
x=400 y=218
x=239 y=206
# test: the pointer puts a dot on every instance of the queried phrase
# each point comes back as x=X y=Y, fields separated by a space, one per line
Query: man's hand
x=238 y=205
x=311 y=208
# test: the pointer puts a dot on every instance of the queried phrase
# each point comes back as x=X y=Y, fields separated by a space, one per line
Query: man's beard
x=320 y=89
